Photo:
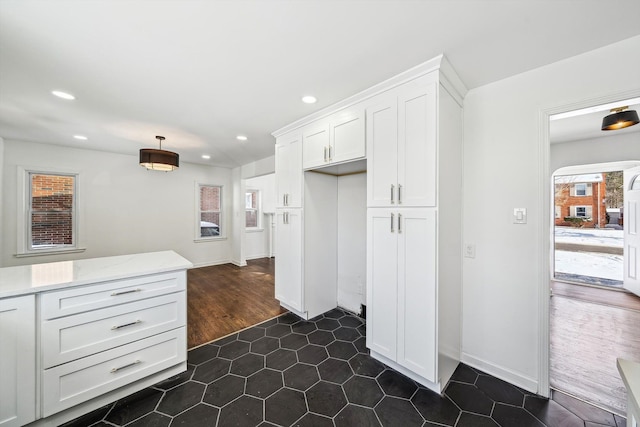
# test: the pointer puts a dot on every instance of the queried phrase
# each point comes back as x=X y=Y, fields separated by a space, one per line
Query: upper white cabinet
x=401 y=139
x=338 y=139
x=289 y=170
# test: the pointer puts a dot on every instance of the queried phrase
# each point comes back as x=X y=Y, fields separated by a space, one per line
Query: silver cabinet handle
x=392 y=188
x=399 y=223
x=114 y=370
x=330 y=158
x=399 y=194
x=113 y=328
x=392 y=230
x=286 y=198
x=115 y=294
x=325 y=153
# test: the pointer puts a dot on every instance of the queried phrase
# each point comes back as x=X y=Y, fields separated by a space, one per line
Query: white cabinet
x=401 y=139
x=288 y=281
x=288 y=154
x=17 y=361
x=338 y=139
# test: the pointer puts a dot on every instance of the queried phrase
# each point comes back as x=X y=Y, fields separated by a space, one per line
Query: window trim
x=585 y=211
x=258 y=210
x=223 y=233
x=575 y=186
x=23 y=220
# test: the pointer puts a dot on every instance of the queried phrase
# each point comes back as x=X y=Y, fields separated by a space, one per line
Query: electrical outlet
x=469 y=250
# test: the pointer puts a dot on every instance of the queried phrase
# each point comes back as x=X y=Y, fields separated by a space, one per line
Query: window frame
x=258 y=210
x=585 y=211
x=24 y=221
x=581 y=184
x=198 y=214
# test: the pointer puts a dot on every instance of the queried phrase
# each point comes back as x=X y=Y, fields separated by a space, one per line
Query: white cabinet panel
x=316 y=146
x=288 y=284
x=382 y=153
x=289 y=171
x=17 y=361
x=347 y=136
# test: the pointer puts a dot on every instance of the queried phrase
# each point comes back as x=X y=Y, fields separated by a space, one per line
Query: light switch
x=519 y=215
x=469 y=250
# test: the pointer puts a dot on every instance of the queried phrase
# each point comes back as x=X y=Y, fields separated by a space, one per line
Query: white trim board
x=529 y=384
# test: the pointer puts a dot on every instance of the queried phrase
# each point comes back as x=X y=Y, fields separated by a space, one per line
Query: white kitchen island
x=76 y=335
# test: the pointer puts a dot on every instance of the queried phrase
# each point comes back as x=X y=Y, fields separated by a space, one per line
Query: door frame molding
x=544 y=230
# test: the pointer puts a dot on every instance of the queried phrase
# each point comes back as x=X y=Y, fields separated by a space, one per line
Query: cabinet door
x=17 y=361
x=382 y=274
x=417 y=144
x=347 y=136
x=417 y=308
x=289 y=171
x=315 y=146
x=382 y=153
x=288 y=283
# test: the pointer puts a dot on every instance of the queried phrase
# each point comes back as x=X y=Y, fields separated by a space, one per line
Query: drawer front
x=86 y=298
x=72 y=383
x=72 y=337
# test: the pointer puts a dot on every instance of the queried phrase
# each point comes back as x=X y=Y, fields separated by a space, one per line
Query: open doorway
x=593 y=319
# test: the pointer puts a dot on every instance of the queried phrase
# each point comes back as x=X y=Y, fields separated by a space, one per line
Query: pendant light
x=159 y=160
x=620 y=119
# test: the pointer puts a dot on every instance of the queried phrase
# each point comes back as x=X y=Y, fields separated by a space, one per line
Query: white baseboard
x=507 y=375
x=209 y=264
x=249 y=258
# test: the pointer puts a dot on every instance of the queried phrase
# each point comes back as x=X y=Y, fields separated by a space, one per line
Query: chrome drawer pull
x=114 y=370
x=115 y=294
x=392 y=187
x=399 y=223
x=392 y=223
x=399 y=194
x=113 y=328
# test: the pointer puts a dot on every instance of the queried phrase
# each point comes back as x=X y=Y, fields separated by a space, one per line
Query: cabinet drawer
x=72 y=383
x=86 y=298
x=72 y=337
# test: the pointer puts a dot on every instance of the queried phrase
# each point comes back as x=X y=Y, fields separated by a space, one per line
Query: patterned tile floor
x=290 y=372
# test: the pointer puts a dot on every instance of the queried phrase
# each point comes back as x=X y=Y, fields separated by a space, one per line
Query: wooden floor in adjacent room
x=589 y=329
x=223 y=299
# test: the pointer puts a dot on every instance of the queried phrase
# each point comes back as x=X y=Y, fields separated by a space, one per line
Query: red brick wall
x=565 y=201
x=210 y=201
x=52 y=205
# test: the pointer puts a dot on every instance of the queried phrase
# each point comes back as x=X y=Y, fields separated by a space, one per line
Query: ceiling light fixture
x=63 y=95
x=206 y=156
x=241 y=138
x=159 y=160
x=620 y=119
x=309 y=99
x=80 y=137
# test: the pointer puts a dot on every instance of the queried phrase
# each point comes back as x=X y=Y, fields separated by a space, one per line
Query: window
x=51 y=212
x=252 y=209
x=581 y=211
x=581 y=189
x=558 y=211
x=209 y=211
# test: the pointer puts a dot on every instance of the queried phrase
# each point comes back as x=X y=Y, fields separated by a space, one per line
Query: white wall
x=352 y=241
x=256 y=242
x=613 y=148
x=504 y=168
x=2 y=229
x=123 y=207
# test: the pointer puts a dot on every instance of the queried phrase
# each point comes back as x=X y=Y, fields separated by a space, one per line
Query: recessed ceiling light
x=241 y=138
x=63 y=95
x=206 y=156
x=80 y=137
x=309 y=99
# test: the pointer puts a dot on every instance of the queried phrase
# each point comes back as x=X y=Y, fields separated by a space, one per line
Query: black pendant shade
x=159 y=160
x=621 y=118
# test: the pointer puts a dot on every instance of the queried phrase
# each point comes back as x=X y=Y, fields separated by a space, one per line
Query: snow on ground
x=590 y=236
x=606 y=266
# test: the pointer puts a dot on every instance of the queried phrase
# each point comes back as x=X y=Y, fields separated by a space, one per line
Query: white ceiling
x=202 y=72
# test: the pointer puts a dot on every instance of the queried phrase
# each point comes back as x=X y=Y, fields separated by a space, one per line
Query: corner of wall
x=3 y=204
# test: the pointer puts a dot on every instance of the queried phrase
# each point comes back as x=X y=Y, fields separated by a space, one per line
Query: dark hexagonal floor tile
x=180 y=398
x=341 y=350
x=363 y=391
x=352 y=416
x=234 y=349
x=288 y=319
x=365 y=365
x=284 y=407
x=304 y=327
x=314 y=420
x=469 y=398
x=281 y=359
x=226 y=340
x=361 y=345
x=247 y=364
x=435 y=408
x=244 y=411
x=400 y=412
x=134 y=406
x=326 y=399
x=328 y=324
x=474 y=420
x=278 y=331
x=396 y=384
x=499 y=390
x=152 y=419
x=293 y=341
x=265 y=345
x=202 y=354
x=551 y=413
x=506 y=415
x=199 y=415
x=321 y=337
x=301 y=376
x=251 y=334
x=350 y=321
x=263 y=383
x=464 y=374
x=224 y=390
x=362 y=329
x=346 y=334
x=312 y=354
x=268 y=323
x=336 y=313
x=176 y=380
x=335 y=371
x=211 y=370
x=584 y=410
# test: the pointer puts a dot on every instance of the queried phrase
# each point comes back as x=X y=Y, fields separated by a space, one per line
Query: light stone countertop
x=30 y=279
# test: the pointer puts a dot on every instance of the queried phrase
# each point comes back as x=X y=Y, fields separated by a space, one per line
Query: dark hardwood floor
x=223 y=299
